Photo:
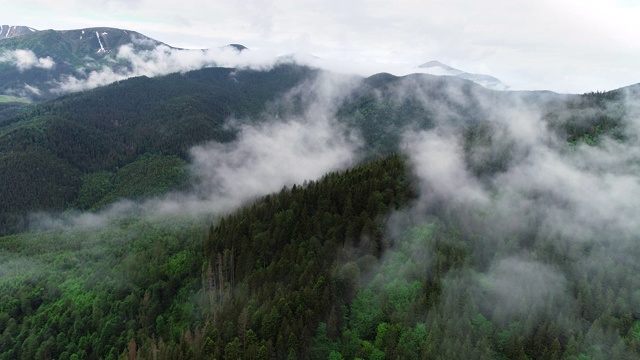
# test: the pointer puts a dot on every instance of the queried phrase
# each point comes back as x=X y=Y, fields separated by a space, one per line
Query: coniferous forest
x=467 y=223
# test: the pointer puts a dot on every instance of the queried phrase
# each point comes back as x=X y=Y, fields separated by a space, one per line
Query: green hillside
x=79 y=136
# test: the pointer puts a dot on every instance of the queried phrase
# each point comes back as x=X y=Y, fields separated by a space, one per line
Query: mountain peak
x=435 y=67
x=238 y=47
x=9 y=31
x=439 y=68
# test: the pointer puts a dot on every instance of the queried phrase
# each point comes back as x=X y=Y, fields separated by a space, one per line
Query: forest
x=472 y=224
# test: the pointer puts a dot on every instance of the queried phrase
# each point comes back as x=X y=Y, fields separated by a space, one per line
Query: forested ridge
x=257 y=285
x=312 y=271
x=51 y=153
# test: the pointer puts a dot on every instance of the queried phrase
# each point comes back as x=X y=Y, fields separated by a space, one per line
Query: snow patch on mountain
x=102 y=50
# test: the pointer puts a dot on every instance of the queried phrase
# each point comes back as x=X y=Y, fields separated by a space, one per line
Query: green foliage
x=90 y=289
x=589 y=117
x=366 y=313
x=30 y=177
x=309 y=272
x=149 y=175
x=95 y=186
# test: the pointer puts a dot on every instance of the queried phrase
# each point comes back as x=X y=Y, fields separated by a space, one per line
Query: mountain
x=80 y=144
x=52 y=154
x=40 y=65
x=238 y=47
x=34 y=64
x=435 y=67
x=9 y=31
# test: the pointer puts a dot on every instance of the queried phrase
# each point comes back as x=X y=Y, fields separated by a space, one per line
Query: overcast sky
x=565 y=46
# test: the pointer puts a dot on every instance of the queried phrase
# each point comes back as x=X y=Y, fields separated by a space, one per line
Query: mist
x=536 y=211
x=269 y=153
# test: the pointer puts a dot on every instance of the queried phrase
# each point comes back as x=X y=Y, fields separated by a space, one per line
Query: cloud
x=26 y=59
x=578 y=193
x=25 y=92
x=267 y=157
x=32 y=89
x=274 y=153
x=439 y=164
x=550 y=229
x=161 y=60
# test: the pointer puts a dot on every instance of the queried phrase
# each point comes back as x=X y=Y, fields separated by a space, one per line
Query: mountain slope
x=106 y=129
x=79 y=291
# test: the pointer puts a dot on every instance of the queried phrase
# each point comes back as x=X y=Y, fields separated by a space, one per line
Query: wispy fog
x=266 y=156
x=545 y=212
x=129 y=62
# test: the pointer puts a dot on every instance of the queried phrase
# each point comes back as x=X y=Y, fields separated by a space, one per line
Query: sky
x=569 y=46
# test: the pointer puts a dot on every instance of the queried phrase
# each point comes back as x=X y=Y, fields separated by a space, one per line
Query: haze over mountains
x=435 y=67
x=271 y=210
x=39 y=65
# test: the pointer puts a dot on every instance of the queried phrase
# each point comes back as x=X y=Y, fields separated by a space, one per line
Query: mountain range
x=39 y=65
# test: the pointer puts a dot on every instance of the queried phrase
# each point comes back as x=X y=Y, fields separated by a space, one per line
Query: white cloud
x=161 y=61
x=280 y=152
x=26 y=59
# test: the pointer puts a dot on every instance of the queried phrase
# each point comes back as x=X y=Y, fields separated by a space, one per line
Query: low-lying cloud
x=267 y=157
x=551 y=212
x=275 y=153
x=26 y=59
x=161 y=60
